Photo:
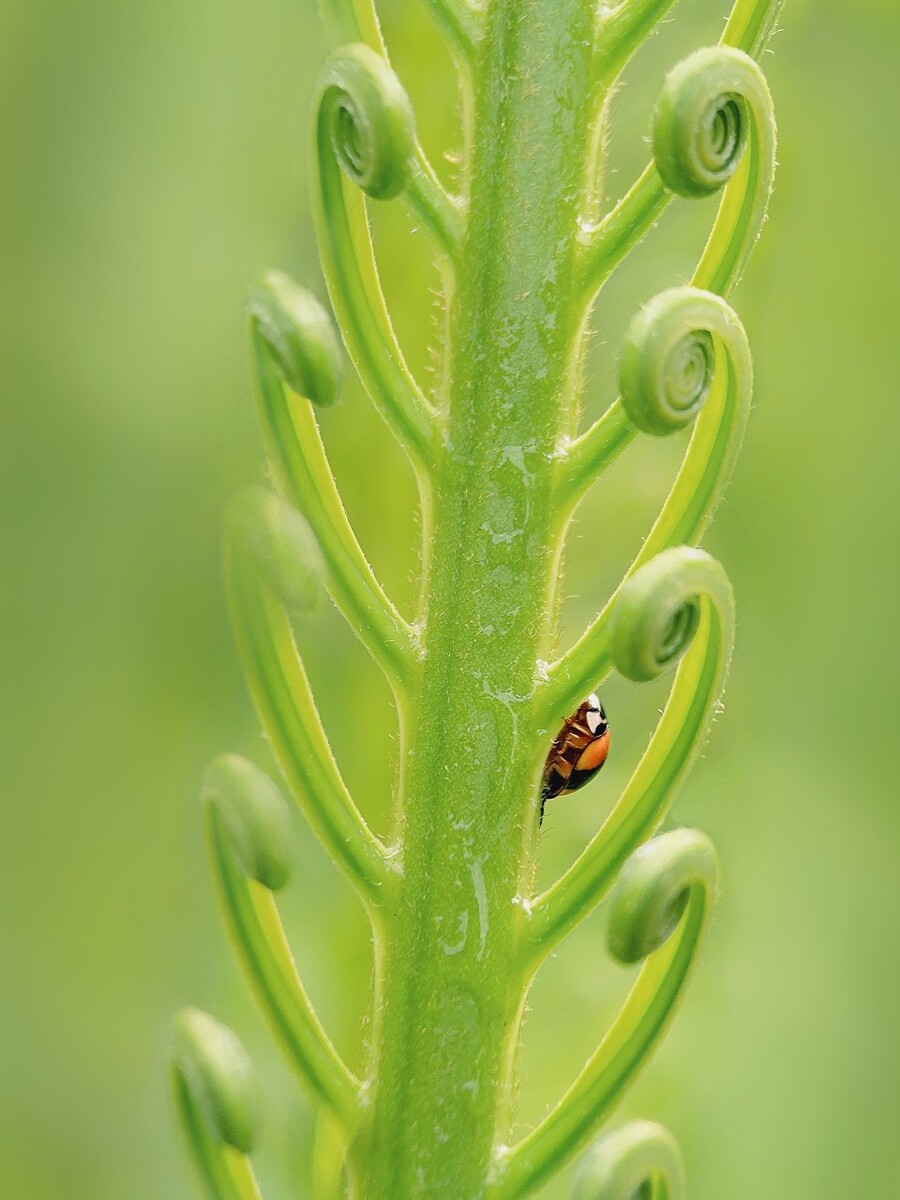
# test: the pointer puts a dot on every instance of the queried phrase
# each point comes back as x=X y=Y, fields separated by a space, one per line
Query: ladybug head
x=595 y=716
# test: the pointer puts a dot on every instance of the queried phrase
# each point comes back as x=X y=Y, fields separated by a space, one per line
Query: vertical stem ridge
x=452 y=988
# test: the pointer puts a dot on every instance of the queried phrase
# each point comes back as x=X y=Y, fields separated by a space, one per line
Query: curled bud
x=369 y=120
x=255 y=816
x=640 y=1161
x=655 y=615
x=668 y=360
x=299 y=335
x=218 y=1076
x=283 y=545
x=653 y=889
x=701 y=119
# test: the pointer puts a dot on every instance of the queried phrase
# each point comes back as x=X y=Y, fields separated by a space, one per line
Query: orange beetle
x=578 y=752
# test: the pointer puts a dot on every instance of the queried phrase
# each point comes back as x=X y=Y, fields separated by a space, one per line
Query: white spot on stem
x=455 y=948
x=482 y=902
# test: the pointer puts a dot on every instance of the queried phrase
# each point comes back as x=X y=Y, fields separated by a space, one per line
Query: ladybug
x=578 y=752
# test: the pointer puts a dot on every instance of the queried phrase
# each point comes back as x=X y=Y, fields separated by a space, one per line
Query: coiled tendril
x=653 y=890
x=713 y=125
x=640 y=1161
x=685 y=348
x=668 y=364
x=674 y=318
x=657 y=612
x=364 y=130
x=369 y=120
x=689 y=313
x=700 y=120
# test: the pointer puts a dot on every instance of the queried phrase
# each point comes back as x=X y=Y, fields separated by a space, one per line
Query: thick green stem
x=452 y=987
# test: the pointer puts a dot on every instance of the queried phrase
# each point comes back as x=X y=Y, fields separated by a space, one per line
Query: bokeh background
x=154 y=164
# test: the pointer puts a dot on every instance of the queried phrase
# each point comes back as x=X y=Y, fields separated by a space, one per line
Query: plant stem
x=453 y=990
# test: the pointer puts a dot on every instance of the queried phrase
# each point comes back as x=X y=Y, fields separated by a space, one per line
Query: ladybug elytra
x=578 y=752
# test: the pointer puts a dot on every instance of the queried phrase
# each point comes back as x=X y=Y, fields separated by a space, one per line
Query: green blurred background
x=154 y=164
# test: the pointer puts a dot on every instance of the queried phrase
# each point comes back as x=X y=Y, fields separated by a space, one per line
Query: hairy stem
x=452 y=990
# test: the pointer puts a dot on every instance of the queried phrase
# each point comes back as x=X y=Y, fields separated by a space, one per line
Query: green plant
x=458 y=932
